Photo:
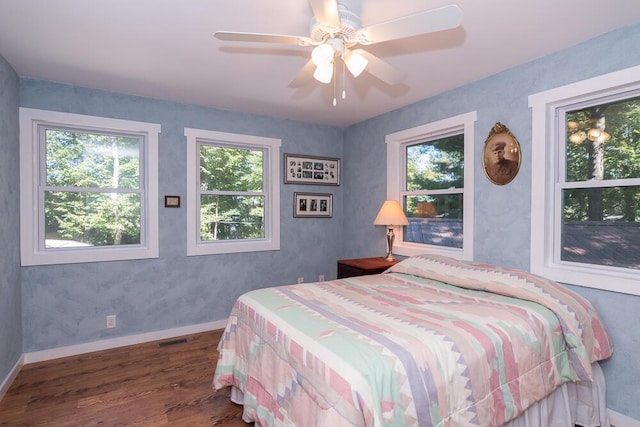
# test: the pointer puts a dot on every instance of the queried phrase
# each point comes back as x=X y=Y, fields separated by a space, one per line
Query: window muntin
x=583 y=196
x=91 y=219
x=430 y=170
x=232 y=200
x=226 y=168
x=610 y=238
x=233 y=193
x=603 y=141
x=76 y=158
x=433 y=195
x=89 y=188
x=599 y=198
x=435 y=164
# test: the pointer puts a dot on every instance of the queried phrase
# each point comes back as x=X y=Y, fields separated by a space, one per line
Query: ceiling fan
x=335 y=30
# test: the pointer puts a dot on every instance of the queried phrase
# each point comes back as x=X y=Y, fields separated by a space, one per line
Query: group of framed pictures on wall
x=501 y=158
x=311 y=170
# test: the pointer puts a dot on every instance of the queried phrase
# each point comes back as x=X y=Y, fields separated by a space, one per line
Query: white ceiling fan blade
x=381 y=69
x=262 y=38
x=304 y=76
x=430 y=21
x=326 y=12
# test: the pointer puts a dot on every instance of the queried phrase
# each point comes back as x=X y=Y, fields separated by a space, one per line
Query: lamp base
x=390 y=237
x=390 y=257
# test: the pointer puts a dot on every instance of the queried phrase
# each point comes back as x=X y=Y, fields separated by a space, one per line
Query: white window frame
x=271 y=146
x=32 y=201
x=396 y=177
x=547 y=163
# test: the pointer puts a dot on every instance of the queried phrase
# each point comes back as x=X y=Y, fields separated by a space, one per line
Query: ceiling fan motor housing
x=349 y=24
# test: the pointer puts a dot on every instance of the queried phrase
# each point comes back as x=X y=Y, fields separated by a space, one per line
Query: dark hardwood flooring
x=141 y=385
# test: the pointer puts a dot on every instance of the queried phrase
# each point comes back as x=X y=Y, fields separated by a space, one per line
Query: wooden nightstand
x=363 y=266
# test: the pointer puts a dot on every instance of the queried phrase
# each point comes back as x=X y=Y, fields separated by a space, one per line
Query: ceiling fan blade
x=304 y=76
x=430 y=21
x=326 y=12
x=262 y=38
x=381 y=69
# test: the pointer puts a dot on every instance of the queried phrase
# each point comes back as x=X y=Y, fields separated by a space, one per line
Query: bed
x=433 y=341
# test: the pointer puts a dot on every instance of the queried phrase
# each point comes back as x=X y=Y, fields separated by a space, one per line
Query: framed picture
x=501 y=155
x=311 y=170
x=171 y=201
x=312 y=205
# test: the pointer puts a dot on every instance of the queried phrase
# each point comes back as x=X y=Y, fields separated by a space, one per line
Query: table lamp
x=390 y=214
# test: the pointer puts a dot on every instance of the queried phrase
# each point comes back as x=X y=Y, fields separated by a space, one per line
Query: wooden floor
x=141 y=385
x=145 y=384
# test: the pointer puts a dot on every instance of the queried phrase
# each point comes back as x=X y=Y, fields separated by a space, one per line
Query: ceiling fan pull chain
x=344 y=81
x=335 y=84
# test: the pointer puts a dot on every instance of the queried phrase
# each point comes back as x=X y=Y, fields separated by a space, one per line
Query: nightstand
x=363 y=266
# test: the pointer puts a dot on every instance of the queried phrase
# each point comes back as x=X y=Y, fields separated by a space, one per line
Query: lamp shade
x=391 y=213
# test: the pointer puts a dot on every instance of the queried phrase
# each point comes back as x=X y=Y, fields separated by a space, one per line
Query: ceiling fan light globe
x=322 y=55
x=597 y=135
x=593 y=134
x=355 y=62
x=577 y=137
x=324 y=74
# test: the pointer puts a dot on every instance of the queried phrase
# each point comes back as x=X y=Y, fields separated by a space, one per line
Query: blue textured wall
x=10 y=300
x=502 y=213
x=67 y=304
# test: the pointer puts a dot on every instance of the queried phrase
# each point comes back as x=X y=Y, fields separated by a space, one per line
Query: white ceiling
x=165 y=49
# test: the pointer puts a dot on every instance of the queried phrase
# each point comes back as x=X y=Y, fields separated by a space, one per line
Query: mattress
x=431 y=342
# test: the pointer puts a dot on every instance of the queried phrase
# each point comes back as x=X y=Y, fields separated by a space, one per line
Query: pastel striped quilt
x=431 y=342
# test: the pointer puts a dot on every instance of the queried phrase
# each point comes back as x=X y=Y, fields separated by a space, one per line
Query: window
x=430 y=170
x=233 y=193
x=89 y=187
x=586 y=182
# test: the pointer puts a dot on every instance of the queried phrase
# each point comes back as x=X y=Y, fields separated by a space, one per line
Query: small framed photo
x=501 y=155
x=311 y=170
x=171 y=201
x=312 y=205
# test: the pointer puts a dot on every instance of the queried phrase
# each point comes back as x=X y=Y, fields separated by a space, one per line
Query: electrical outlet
x=300 y=279
x=321 y=278
x=111 y=321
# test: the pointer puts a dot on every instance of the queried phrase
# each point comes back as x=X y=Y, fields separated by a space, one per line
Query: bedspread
x=431 y=342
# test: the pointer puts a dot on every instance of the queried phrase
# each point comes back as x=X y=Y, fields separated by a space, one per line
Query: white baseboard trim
x=619 y=420
x=13 y=373
x=73 y=350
